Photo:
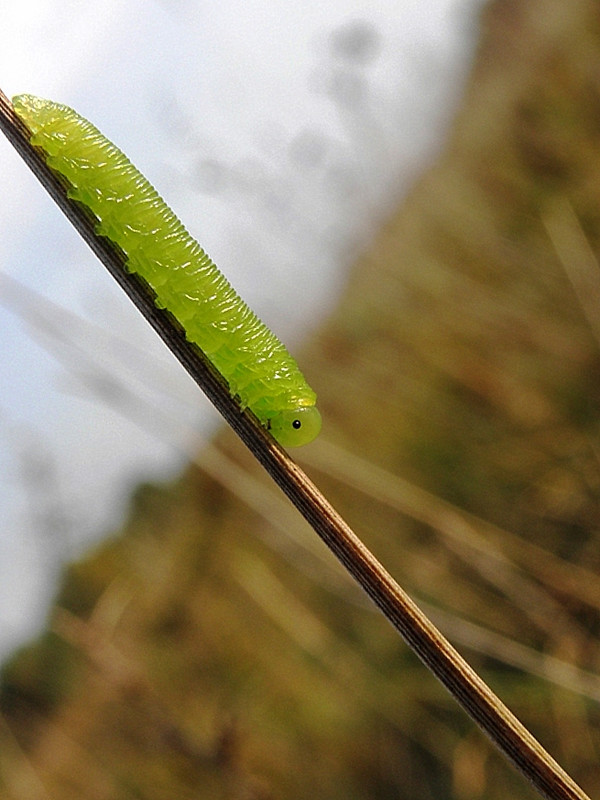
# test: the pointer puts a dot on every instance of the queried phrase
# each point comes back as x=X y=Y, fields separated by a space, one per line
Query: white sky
x=234 y=92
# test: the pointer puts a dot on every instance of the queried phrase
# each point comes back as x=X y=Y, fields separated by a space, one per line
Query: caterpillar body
x=256 y=365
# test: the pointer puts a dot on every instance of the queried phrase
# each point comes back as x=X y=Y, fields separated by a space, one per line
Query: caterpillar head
x=295 y=427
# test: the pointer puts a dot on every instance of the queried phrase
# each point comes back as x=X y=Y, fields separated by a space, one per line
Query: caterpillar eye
x=295 y=427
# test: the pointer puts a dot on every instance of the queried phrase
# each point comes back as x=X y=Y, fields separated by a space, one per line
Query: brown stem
x=502 y=727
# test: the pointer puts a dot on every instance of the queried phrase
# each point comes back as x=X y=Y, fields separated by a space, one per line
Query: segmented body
x=256 y=365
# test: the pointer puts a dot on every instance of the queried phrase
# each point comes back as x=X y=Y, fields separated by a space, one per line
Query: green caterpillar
x=256 y=365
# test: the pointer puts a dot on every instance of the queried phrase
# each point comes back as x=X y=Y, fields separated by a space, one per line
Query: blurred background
x=425 y=178
x=280 y=136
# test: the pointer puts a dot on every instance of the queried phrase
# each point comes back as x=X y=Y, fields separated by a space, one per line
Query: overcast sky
x=279 y=132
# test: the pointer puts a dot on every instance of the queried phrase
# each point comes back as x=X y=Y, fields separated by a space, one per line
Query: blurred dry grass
x=212 y=648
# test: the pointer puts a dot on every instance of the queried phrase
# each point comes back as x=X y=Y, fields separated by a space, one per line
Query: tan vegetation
x=213 y=649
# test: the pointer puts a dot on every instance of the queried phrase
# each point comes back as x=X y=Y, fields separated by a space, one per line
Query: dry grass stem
x=503 y=728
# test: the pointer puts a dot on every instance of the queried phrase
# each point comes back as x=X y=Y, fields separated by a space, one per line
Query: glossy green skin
x=255 y=364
